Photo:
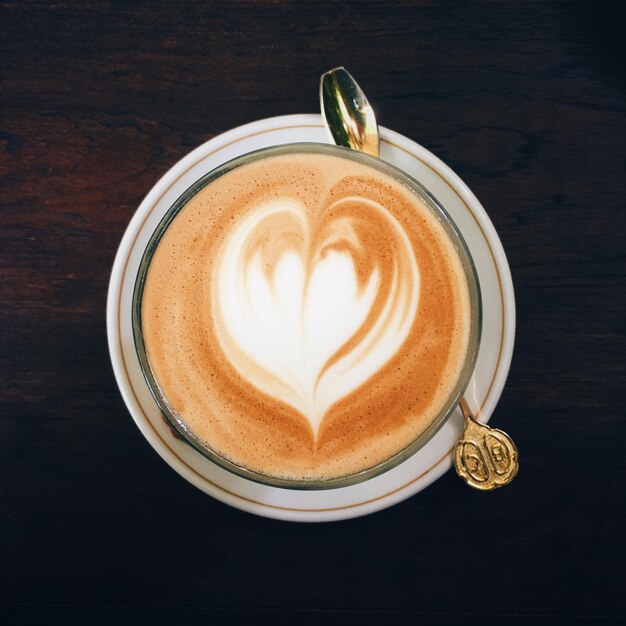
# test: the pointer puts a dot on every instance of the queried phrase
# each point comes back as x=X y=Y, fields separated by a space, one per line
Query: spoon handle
x=485 y=458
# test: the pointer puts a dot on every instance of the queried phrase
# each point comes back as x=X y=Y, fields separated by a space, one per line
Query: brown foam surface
x=331 y=411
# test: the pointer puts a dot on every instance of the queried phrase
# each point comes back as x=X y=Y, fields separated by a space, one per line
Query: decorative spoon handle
x=485 y=458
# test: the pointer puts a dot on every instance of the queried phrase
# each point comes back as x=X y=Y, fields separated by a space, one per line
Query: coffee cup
x=306 y=316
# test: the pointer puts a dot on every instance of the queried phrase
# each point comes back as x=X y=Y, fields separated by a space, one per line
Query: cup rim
x=177 y=423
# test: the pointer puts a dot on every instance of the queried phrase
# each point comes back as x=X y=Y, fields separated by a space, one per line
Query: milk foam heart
x=302 y=328
x=306 y=316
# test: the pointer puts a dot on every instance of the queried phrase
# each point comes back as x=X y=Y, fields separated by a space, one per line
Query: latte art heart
x=308 y=312
x=305 y=316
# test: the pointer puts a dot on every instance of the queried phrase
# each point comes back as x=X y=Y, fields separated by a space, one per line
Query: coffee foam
x=306 y=316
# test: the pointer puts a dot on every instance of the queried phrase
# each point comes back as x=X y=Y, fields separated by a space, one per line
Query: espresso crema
x=306 y=316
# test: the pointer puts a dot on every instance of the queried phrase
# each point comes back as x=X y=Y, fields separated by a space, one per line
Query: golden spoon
x=485 y=458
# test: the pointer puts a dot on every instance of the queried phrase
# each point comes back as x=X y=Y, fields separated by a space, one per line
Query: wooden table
x=525 y=100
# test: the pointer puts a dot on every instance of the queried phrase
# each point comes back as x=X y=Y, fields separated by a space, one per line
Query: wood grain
x=525 y=100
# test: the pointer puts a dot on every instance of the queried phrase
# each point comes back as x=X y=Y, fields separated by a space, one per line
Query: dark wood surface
x=525 y=100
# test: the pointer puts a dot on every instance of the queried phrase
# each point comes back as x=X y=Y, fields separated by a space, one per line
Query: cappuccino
x=306 y=316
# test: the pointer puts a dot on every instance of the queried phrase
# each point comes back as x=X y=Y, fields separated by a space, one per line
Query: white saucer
x=430 y=462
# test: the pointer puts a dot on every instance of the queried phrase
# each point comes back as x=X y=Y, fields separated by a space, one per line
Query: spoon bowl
x=349 y=116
